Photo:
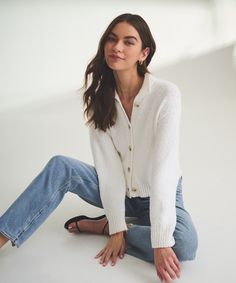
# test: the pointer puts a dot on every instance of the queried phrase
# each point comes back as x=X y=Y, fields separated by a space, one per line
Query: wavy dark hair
x=99 y=96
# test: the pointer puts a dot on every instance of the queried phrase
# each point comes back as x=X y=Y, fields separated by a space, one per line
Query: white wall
x=46 y=45
x=44 y=50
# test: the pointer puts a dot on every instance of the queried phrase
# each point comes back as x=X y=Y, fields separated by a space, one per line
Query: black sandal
x=76 y=219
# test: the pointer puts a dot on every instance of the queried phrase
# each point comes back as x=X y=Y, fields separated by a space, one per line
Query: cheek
x=107 y=49
x=107 y=46
x=132 y=54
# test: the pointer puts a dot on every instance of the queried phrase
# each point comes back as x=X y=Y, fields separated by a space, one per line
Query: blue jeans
x=64 y=174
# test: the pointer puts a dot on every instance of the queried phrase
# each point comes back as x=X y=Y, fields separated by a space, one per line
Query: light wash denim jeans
x=64 y=174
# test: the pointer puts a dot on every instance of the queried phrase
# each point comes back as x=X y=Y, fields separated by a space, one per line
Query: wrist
x=162 y=248
x=118 y=234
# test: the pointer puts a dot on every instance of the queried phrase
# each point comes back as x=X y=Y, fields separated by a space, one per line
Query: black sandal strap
x=76 y=219
x=103 y=230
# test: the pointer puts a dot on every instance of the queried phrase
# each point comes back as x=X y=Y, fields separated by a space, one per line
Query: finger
x=122 y=251
x=177 y=263
x=100 y=253
x=158 y=272
x=114 y=256
x=165 y=275
x=176 y=271
x=175 y=268
x=170 y=271
x=159 y=275
x=107 y=258
x=121 y=255
x=114 y=259
x=103 y=256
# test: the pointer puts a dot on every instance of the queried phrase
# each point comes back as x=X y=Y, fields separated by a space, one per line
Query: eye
x=129 y=43
x=111 y=38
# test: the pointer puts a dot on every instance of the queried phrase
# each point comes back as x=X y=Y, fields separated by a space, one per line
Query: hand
x=167 y=264
x=114 y=248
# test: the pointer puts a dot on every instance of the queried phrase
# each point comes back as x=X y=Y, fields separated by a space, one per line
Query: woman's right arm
x=111 y=178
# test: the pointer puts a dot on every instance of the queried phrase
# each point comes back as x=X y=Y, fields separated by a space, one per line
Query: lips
x=115 y=57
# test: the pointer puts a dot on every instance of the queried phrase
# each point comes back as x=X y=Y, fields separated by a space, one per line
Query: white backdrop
x=45 y=47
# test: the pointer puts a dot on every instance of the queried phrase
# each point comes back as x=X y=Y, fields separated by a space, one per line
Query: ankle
x=3 y=240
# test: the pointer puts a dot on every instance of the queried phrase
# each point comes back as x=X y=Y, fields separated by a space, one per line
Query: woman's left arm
x=165 y=169
x=164 y=179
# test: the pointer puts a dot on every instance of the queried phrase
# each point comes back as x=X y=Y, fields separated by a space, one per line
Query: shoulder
x=164 y=88
x=164 y=95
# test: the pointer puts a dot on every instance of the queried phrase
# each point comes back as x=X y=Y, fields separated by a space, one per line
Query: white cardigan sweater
x=140 y=158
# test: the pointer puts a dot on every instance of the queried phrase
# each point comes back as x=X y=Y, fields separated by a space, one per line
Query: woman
x=133 y=122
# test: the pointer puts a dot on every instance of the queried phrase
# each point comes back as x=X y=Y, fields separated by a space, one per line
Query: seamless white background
x=45 y=47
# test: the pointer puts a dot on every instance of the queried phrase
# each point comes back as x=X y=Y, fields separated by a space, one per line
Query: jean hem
x=14 y=242
x=188 y=259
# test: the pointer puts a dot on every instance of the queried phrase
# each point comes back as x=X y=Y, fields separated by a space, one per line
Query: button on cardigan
x=140 y=158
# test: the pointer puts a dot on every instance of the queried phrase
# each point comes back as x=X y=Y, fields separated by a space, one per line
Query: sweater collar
x=144 y=90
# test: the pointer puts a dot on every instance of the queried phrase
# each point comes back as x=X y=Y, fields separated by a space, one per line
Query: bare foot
x=90 y=226
x=3 y=240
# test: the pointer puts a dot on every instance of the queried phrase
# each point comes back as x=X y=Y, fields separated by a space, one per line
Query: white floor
x=29 y=136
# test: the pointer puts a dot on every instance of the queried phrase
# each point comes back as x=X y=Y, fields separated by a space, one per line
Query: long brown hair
x=99 y=97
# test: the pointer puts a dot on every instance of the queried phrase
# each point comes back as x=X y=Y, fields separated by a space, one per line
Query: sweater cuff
x=162 y=237
x=116 y=224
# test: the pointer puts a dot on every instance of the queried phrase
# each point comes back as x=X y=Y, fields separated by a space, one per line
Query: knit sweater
x=140 y=158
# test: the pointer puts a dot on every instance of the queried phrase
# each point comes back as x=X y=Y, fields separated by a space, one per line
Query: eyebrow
x=126 y=37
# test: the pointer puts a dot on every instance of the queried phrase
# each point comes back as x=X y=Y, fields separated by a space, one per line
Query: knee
x=55 y=160
x=186 y=245
x=57 y=174
x=56 y=167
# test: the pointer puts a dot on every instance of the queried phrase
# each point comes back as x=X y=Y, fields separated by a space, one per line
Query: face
x=123 y=48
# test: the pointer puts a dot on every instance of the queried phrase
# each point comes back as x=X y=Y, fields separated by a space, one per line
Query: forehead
x=125 y=29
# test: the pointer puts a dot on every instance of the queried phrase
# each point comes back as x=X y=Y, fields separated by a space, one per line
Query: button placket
x=130 y=147
x=133 y=191
x=129 y=166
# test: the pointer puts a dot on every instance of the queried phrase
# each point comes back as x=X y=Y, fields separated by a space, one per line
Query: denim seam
x=82 y=180
x=39 y=213
x=73 y=168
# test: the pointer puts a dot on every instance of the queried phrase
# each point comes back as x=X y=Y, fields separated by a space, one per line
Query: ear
x=144 y=53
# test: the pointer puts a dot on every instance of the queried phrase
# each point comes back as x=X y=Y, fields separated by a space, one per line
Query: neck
x=128 y=84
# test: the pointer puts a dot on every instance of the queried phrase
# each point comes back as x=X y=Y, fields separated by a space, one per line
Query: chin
x=115 y=68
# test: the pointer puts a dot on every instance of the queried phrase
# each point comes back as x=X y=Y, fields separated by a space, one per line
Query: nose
x=117 y=47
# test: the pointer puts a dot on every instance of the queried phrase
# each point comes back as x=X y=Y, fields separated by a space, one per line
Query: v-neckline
x=130 y=111
x=137 y=99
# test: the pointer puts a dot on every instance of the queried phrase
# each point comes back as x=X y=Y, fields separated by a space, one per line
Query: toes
x=72 y=227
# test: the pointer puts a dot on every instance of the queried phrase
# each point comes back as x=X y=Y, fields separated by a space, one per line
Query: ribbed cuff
x=116 y=224
x=162 y=237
